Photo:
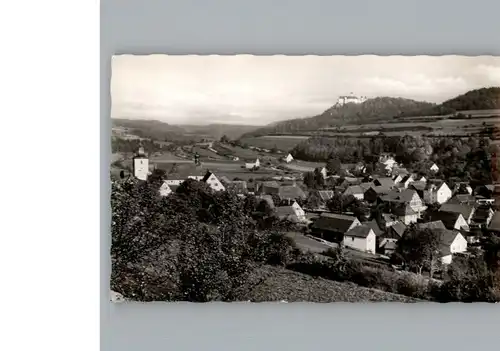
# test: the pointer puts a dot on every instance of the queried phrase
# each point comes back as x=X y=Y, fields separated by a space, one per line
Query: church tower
x=141 y=164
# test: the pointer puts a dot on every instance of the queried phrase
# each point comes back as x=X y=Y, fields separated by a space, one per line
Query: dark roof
x=420 y=186
x=380 y=189
x=374 y=225
x=403 y=210
x=460 y=199
x=333 y=222
x=360 y=231
x=401 y=196
x=367 y=185
x=398 y=228
x=389 y=245
x=495 y=222
x=447 y=218
x=207 y=175
x=386 y=182
x=465 y=210
x=173 y=187
x=432 y=225
x=291 y=192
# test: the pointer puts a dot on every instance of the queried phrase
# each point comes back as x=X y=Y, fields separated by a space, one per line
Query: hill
x=216 y=131
x=377 y=109
x=479 y=99
x=150 y=129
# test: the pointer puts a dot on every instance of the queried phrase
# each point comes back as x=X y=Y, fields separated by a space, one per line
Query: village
x=387 y=203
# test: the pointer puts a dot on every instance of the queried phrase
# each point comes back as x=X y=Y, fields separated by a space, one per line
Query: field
x=281 y=142
x=244 y=154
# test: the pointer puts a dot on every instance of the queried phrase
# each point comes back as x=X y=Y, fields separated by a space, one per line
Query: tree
x=419 y=249
x=309 y=180
x=313 y=200
x=225 y=139
x=334 y=165
x=319 y=180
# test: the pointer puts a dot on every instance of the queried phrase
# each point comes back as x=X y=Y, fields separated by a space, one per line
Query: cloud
x=492 y=73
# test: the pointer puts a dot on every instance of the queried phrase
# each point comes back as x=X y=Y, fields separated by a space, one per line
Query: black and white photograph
x=247 y=178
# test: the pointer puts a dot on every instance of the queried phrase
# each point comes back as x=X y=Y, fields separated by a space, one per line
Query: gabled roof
x=495 y=222
x=207 y=175
x=462 y=199
x=354 y=189
x=367 y=185
x=465 y=210
x=291 y=192
x=449 y=219
x=435 y=225
x=419 y=186
x=399 y=196
x=386 y=182
x=224 y=179
x=270 y=184
x=404 y=210
x=360 y=231
x=380 y=190
x=398 y=228
x=374 y=225
x=334 y=222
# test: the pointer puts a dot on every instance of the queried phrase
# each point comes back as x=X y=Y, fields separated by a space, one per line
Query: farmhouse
x=253 y=165
x=437 y=191
x=397 y=197
x=452 y=241
x=361 y=238
x=354 y=190
x=465 y=210
x=451 y=220
x=386 y=242
x=289 y=193
x=165 y=189
x=288 y=158
x=212 y=181
x=373 y=193
x=332 y=227
x=293 y=213
x=405 y=213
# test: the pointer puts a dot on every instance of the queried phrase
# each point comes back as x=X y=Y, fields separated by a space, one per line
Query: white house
x=434 y=167
x=406 y=214
x=346 y=99
x=165 y=189
x=361 y=238
x=299 y=212
x=175 y=182
x=196 y=177
x=437 y=193
x=388 y=162
x=452 y=242
x=213 y=182
x=324 y=172
x=141 y=165
x=288 y=158
x=255 y=164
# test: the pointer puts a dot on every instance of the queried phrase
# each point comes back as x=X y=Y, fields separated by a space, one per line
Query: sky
x=258 y=90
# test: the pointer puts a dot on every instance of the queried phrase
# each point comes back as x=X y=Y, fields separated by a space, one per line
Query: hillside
x=150 y=129
x=279 y=284
x=380 y=108
x=216 y=131
x=479 y=99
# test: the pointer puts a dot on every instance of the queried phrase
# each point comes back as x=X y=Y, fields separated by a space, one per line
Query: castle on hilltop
x=342 y=100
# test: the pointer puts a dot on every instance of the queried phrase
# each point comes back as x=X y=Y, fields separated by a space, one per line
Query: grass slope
x=277 y=284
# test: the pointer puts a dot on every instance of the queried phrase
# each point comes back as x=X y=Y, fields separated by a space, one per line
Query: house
x=388 y=161
x=354 y=190
x=389 y=219
x=238 y=186
x=434 y=167
x=213 y=182
x=332 y=227
x=361 y=238
x=375 y=192
x=494 y=226
x=451 y=220
x=388 y=240
x=462 y=188
x=290 y=193
x=407 y=180
x=385 y=182
x=288 y=158
x=253 y=165
x=405 y=213
x=323 y=171
x=268 y=187
x=465 y=210
x=165 y=189
x=486 y=191
x=452 y=241
x=293 y=213
x=482 y=216
x=374 y=225
x=397 y=197
x=171 y=182
x=198 y=178
x=437 y=191
x=366 y=185
x=462 y=199
x=419 y=187
x=225 y=180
